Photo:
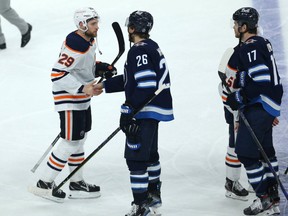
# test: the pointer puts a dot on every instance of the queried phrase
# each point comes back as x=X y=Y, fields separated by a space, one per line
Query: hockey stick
x=264 y=155
x=121 y=44
x=157 y=92
x=45 y=153
x=224 y=60
x=117 y=29
x=223 y=77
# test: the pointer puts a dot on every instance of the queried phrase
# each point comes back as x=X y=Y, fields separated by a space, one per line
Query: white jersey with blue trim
x=230 y=72
x=74 y=68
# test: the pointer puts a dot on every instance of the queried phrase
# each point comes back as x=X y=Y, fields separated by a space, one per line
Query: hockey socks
x=233 y=165
x=139 y=185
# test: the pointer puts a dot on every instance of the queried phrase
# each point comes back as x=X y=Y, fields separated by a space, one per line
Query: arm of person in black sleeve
x=115 y=84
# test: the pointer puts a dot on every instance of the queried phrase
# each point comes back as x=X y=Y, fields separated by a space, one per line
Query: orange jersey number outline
x=66 y=60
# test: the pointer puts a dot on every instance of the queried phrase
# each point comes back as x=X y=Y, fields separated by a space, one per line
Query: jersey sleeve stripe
x=147 y=84
x=144 y=74
x=262 y=78
x=257 y=69
x=224 y=98
x=231 y=68
x=58 y=74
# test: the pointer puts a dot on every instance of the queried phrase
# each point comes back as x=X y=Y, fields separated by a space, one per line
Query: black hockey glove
x=236 y=100
x=242 y=78
x=105 y=70
x=128 y=124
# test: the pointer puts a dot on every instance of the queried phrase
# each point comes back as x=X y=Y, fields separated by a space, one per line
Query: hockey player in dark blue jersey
x=145 y=70
x=259 y=98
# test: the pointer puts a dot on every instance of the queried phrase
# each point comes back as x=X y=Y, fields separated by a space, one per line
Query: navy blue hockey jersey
x=256 y=58
x=145 y=70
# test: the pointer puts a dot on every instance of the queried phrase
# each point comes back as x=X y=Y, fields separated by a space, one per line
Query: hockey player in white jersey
x=233 y=187
x=73 y=78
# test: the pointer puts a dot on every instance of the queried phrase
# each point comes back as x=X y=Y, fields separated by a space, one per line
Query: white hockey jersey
x=230 y=71
x=74 y=68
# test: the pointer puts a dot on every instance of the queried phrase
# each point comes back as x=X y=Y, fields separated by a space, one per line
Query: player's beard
x=90 y=34
x=237 y=34
x=131 y=37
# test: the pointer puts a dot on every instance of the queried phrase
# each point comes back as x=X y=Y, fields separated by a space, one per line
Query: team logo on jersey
x=82 y=133
x=140 y=44
x=133 y=146
x=250 y=41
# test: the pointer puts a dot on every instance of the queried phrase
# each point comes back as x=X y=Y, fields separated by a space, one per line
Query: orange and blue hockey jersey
x=74 y=68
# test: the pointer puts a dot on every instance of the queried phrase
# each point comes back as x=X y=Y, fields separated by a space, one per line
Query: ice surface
x=193 y=35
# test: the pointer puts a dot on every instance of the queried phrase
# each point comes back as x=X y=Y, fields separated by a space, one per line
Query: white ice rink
x=193 y=35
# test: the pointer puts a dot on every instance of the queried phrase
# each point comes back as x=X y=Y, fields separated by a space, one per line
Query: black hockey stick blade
x=222 y=76
x=121 y=44
x=225 y=59
x=118 y=32
x=223 y=64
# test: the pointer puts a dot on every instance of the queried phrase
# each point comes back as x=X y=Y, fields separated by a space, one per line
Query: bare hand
x=98 y=89
x=98 y=86
x=89 y=89
x=275 y=122
x=97 y=92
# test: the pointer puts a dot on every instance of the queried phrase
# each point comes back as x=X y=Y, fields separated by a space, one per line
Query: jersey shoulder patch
x=140 y=44
x=250 y=41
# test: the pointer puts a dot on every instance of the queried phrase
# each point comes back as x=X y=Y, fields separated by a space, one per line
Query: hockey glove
x=236 y=100
x=242 y=78
x=128 y=124
x=105 y=70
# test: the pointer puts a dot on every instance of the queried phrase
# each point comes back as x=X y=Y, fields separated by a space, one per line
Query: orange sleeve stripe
x=233 y=69
x=56 y=164
x=59 y=74
x=232 y=160
x=224 y=98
